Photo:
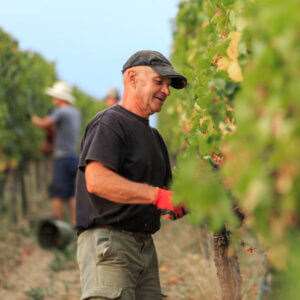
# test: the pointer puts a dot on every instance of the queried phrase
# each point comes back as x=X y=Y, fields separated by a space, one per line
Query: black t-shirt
x=125 y=143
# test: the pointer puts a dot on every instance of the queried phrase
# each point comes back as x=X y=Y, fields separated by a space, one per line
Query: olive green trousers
x=116 y=264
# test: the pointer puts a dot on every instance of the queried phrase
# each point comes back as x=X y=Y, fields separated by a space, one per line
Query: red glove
x=164 y=203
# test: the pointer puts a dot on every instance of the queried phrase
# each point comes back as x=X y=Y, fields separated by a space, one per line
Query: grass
x=64 y=259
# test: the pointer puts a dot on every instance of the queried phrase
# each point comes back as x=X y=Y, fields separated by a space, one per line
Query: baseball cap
x=159 y=63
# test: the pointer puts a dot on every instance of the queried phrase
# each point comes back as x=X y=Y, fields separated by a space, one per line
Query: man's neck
x=63 y=104
x=132 y=107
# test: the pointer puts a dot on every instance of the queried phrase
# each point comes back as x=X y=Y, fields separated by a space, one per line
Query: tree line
x=24 y=77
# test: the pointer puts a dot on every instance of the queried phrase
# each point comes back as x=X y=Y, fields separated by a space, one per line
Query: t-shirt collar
x=131 y=114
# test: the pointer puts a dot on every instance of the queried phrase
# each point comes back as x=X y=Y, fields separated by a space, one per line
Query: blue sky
x=90 y=40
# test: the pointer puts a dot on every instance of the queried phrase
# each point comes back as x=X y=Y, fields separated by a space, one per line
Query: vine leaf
x=230 y=62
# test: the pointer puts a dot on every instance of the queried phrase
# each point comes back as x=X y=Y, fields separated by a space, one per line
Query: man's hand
x=45 y=122
x=164 y=203
x=35 y=119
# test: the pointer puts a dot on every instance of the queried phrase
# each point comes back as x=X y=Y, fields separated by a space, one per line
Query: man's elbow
x=90 y=187
x=91 y=173
x=90 y=183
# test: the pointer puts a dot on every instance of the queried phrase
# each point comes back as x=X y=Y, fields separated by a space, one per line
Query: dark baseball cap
x=159 y=64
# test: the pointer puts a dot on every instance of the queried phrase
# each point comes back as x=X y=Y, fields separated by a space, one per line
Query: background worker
x=66 y=120
x=112 y=97
x=121 y=189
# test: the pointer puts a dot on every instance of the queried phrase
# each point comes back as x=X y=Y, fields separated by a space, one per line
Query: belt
x=136 y=235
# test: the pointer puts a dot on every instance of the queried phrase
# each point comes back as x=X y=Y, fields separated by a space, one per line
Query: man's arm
x=105 y=183
x=44 y=123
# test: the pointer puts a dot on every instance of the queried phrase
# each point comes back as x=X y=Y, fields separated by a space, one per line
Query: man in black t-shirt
x=121 y=191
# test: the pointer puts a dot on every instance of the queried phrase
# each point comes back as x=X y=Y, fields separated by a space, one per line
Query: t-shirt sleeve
x=168 y=178
x=56 y=115
x=102 y=144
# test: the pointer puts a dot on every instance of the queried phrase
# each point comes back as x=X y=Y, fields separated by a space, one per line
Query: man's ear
x=131 y=76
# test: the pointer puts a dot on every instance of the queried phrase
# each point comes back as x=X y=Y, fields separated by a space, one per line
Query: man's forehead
x=149 y=72
x=144 y=69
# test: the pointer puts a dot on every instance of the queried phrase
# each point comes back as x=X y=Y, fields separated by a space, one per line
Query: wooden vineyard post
x=13 y=195
x=228 y=271
x=3 y=180
x=24 y=198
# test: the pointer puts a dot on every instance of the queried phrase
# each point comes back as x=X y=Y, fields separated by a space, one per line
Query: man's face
x=110 y=101
x=151 y=90
x=55 y=101
x=58 y=102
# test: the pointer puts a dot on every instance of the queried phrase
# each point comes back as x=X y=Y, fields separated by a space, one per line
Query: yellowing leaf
x=222 y=63
x=230 y=63
x=234 y=71
x=227 y=128
x=197 y=107
x=186 y=126
x=205 y=24
x=252 y=196
x=277 y=256
x=233 y=51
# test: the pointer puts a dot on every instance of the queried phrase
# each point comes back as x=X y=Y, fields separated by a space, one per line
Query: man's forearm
x=107 y=184
x=44 y=123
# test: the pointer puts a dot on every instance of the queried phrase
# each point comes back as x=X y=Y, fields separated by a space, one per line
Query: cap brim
x=178 y=81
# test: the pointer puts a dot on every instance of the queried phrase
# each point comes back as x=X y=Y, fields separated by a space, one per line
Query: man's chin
x=155 y=111
x=156 y=108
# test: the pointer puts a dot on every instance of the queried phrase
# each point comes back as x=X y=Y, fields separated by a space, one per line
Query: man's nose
x=166 y=89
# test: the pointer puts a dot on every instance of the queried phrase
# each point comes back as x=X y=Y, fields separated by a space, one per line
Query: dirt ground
x=186 y=267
